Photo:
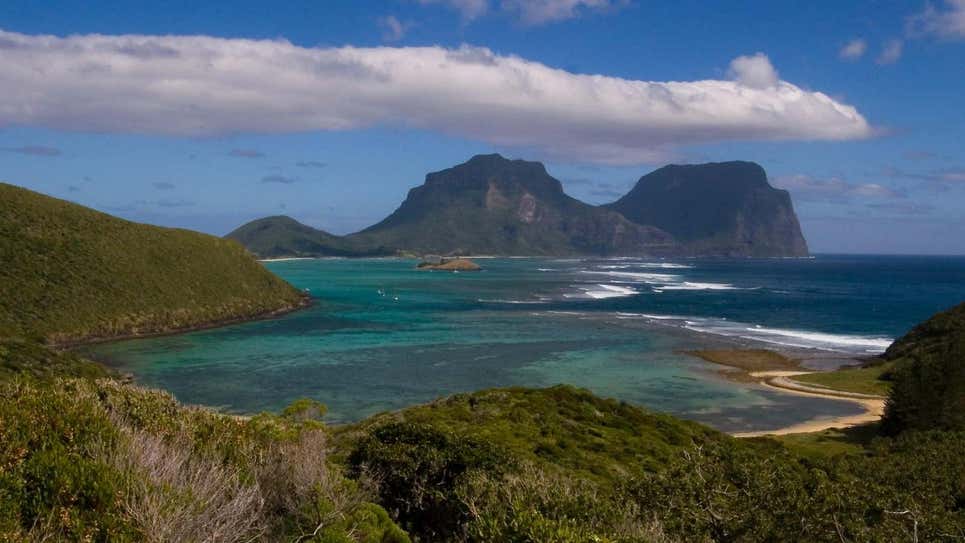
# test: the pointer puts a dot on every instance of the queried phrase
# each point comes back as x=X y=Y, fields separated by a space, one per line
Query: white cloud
x=948 y=23
x=754 y=71
x=835 y=189
x=392 y=28
x=468 y=9
x=853 y=50
x=891 y=52
x=197 y=86
x=536 y=12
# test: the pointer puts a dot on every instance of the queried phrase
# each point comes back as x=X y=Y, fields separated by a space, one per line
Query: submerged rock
x=458 y=264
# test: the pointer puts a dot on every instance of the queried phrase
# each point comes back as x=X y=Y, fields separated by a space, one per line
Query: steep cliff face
x=725 y=209
x=491 y=205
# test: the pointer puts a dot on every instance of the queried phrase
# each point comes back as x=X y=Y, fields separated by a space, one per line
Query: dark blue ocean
x=382 y=335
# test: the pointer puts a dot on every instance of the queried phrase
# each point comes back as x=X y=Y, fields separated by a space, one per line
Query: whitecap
x=660 y=278
x=807 y=339
x=498 y=301
x=692 y=285
x=603 y=292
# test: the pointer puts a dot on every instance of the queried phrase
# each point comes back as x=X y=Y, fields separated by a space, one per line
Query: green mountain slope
x=725 y=208
x=70 y=273
x=491 y=205
x=281 y=236
x=928 y=379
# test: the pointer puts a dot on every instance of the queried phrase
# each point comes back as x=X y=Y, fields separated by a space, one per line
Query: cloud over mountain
x=199 y=85
x=834 y=189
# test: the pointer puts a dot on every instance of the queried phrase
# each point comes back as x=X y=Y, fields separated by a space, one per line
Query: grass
x=70 y=274
x=830 y=443
x=747 y=359
x=19 y=357
x=863 y=380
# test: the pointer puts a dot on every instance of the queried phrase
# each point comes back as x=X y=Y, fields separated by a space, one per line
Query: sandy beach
x=775 y=371
x=874 y=406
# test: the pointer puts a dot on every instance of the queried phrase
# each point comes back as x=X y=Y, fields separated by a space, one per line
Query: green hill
x=928 y=375
x=562 y=426
x=563 y=465
x=725 y=208
x=70 y=273
x=281 y=236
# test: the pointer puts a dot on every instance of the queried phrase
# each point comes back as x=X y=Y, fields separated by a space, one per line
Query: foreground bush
x=928 y=379
x=100 y=461
x=461 y=469
x=420 y=471
x=912 y=489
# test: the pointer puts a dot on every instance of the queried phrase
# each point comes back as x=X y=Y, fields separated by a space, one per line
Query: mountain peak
x=725 y=208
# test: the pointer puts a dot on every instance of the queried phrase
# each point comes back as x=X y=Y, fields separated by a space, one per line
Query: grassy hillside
x=71 y=273
x=281 y=236
x=871 y=379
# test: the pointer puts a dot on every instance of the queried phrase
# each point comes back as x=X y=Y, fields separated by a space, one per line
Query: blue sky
x=857 y=107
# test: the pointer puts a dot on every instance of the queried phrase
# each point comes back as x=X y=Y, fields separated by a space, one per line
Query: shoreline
x=774 y=370
x=304 y=302
x=874 y=406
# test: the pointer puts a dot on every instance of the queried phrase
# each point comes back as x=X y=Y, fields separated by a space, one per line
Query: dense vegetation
x=70 y=273
x=562 y=465
x=562 y=426
x=84 y=460
x=928 y=376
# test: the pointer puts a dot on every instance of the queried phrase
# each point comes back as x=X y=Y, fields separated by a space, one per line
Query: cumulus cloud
x=891 y=52
x=281 y=179
x=946 y=23
x=198 y=86
x=392 y=28
x=537 y=12
x=806 y=187
x=246 y=153
x=34 y=150
x=853 y=50
x=754 y=71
